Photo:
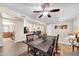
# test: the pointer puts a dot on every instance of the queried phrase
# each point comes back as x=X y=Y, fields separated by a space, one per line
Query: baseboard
x=19 y=40
x=65 y=43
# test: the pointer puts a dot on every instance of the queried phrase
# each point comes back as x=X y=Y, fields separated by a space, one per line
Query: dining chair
x=56 y=45
x=37 y=33
x=51 y=49
x=31 y=49
x=74 y=43
x=30 y=38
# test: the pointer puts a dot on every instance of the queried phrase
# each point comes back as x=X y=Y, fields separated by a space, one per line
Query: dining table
x=42 y=44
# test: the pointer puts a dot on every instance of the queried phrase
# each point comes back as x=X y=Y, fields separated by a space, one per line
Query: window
x=6 y=28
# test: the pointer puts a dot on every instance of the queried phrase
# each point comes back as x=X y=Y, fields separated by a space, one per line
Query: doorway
x=8 y=28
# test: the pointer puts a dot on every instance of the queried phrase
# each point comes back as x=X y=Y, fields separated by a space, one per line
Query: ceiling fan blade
x=40 y=15
x=54 y=10
x=37 y=11
x=49 y=15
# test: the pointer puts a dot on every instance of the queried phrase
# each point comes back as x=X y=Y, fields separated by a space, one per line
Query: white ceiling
x=67 y=11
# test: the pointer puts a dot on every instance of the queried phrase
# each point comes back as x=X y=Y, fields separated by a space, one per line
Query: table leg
x=28 y=50
x=35 y=52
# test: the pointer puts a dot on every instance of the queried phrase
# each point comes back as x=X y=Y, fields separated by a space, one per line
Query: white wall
x=19 y=31
x=50 y=30
x=1 y=30
x=28 y=24
x=62 y=32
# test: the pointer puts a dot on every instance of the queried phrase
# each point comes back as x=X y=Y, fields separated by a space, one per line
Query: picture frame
x=60 y=27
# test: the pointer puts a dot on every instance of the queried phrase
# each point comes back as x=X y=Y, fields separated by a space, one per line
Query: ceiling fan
x=45 y=10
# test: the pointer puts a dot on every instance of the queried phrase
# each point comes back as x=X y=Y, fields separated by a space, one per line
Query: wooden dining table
x=42 y=44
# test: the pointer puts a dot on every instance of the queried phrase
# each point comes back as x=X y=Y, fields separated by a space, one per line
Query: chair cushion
x=76 y=44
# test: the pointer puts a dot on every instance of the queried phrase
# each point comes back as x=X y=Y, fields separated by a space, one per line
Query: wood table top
x=42 y=44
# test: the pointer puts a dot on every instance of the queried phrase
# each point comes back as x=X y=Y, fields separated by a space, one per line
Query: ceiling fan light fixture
x=45 y=13
x=46 y=10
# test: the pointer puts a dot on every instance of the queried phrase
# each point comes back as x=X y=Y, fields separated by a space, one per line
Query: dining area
x=41 y=46
x=45 y=45
x=43 y=36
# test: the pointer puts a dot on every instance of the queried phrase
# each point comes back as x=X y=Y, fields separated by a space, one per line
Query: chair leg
x=77 y=48
x=53 y=53
x=35 y=52
x=73 y=48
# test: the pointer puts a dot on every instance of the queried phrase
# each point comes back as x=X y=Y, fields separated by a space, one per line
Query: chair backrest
x=77 y=37
x=56 y=42
x=29 y=38
x=51 y=49
x=38 y=33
